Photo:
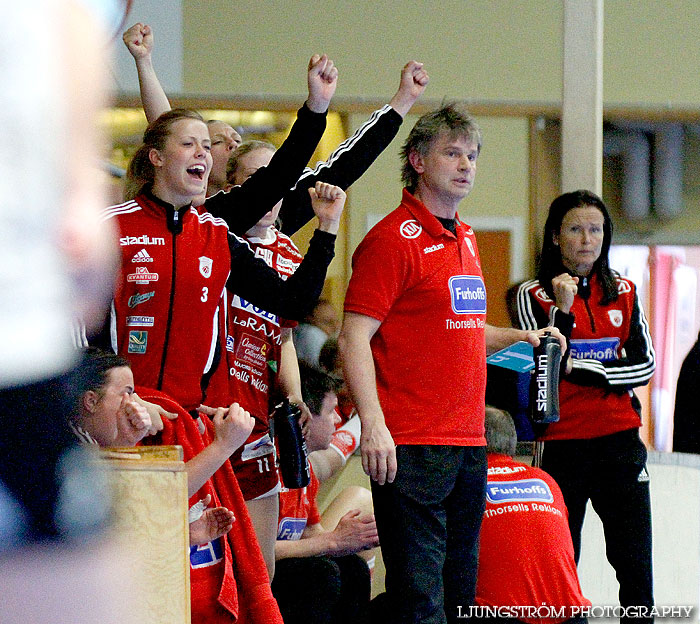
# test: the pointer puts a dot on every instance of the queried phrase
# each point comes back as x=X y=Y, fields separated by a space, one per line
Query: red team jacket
x=611 y=351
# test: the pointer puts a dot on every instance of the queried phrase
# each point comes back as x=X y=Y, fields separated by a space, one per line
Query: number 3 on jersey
x=205 y=294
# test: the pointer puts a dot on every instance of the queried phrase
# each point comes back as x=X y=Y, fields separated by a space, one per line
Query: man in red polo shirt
x=414 y=344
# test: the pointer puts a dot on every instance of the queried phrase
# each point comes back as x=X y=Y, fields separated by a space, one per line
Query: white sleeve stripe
x=525 y=316
x=345 y=145
x=113 y=211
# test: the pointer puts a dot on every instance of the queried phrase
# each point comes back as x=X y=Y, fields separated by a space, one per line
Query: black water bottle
x=293 y=456
x=544 y=384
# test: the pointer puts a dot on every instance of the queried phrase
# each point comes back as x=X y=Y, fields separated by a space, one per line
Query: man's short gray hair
x=452 y=119
x=501 y=437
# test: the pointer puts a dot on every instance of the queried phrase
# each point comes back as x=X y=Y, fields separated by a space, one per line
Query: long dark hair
x=141 y=171
x=550 y=264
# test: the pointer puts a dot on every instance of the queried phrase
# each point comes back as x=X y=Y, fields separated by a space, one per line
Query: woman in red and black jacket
x=177 y=260
x=594 y=452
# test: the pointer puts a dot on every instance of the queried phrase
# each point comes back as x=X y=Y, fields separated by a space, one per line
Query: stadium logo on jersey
x=141 y=240
x=142 y=256
x=138 y=341
x=411 y=229
x=229 y=343
x=139 y=321
x=138 y=298
x=468 y=294
x=431 y=249
x=534 y=490
x=205 y=265
x=471 y=246
x=615 y=317
x=142 y=276
x=205 y=555
x=258 y=448
x=541 y=294
x=291 y=528
x=242 y=304
x=601 y=349
x=623 y=287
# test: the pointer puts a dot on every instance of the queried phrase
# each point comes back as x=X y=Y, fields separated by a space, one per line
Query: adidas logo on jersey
x=643 y=476
x=142 y=256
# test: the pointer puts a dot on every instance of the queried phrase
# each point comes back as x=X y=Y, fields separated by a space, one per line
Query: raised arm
x=354 y=156
x=244 y=205
x=139 y=41
x=296 y=296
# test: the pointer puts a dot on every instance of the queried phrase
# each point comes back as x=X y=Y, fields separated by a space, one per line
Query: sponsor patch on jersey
x=535 y=490
x=205 y=555
x=542 y=295
x=242 y=304
x=142 y=256
x=410 y=229
x=643 y=475
x=468 y=294
x=291 y=528
x=141 y=240
x=601 y=349
x=142 y=276
x=138 y=298
x=258 y=448
x=286 y=264
x=615 y=317
x=139 y=321
x=138 y=341
x=432 y=248
x=230 y=344
x=253 y=351
x=265 y=254
x=205 y=265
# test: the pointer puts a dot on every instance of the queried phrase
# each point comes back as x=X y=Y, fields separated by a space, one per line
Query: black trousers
x=428 y=521
x=610 y=471
x=322 y=589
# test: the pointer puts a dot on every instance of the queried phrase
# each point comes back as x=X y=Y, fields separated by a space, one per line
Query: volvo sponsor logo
x=242 y=304
x=601 y=349
x=141 y=240
x=139 y=321
x=139 y=298
x=142 y=276
x=410 y=229
x=142 y=256
x=535 y=490
x=468 y=294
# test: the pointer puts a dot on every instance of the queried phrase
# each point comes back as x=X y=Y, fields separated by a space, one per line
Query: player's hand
x=139 y=40
x=232 y=426
x=322 y=80
x=156 y=413
x=565 y=288
x=133 y=422
x=533 y=337
x=355 y=532
x=212 y=524
x=414 y=79
x=378 y=452
x=327 y=202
